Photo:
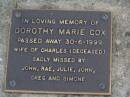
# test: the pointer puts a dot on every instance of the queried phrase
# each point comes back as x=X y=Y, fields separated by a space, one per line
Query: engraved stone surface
x=120 y=25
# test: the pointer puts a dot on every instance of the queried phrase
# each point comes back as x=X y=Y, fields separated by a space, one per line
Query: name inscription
x=57 y=51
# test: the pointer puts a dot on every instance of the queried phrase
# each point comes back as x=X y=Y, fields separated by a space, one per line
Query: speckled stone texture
x=120 y=29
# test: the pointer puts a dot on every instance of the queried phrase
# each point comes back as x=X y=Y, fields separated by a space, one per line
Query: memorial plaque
x=56 y=51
